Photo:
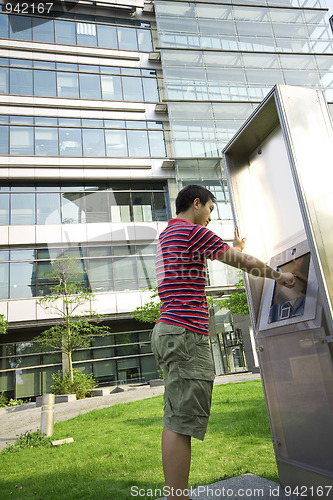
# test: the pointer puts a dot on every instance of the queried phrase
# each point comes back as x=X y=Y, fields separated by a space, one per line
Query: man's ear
x=196 y=203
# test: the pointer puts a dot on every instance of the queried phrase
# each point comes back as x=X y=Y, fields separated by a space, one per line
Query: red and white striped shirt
x=182 y=251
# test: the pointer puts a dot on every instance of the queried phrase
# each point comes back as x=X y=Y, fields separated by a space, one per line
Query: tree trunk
x=71 y=366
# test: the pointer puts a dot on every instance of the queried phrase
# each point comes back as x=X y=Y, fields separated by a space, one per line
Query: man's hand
x=238 y=243
x=286 y=279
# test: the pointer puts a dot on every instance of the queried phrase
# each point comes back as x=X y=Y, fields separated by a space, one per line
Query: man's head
x=197 y=202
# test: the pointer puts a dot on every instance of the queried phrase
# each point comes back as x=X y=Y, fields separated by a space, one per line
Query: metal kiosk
x=280 y=173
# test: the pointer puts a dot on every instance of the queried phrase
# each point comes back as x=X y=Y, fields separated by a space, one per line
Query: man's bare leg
x=176 y=458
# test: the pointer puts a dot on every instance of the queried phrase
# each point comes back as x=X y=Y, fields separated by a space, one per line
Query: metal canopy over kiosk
x=280 y=173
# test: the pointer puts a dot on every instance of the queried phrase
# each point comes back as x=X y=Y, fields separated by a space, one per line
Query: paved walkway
x=19 y=419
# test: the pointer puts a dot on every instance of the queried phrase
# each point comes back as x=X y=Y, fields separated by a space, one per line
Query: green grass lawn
x=119 y=447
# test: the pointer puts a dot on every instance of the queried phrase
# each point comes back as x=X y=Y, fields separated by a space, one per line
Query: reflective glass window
x=97 y=209
x=21 y=81
x=127 y=39
x=116 y=143
x=90 y=86
x=144 y=40
x=70 y=143
x=73 y=208
x=4 y=269
x=20 y=27
x=160 y=208
x=64 y=32
x=146 y=271
x=23 y=208
x=21 y=140
x=93 y=142
x=142 y=207
x=22 y=280
x=120 y=207
x=253 y=28
x=86 y=34
x=22 y=254
x=156 y=143
x=46 y=120
x=270 y=77
x=48 y=208
x=132 y=88
x=4 y=209
x=46 y=141
x=92 y=122
x=138 y=143
x=100 y=278
x=68 y=84
x=4 y=140
x=44 y=83
x=3 y=26
x=43 y=30
x=150 y=90
x=290 y=30
x=125 y=273
x=111 y=87
x=4 y=73
x=107 y=36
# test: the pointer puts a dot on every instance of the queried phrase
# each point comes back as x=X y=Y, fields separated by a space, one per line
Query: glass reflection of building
x=105 y=112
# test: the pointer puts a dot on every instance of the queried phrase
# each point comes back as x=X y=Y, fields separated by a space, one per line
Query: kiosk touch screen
x=290 y=302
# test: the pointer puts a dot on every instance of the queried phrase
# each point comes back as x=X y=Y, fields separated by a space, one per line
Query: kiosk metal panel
x=280 y=176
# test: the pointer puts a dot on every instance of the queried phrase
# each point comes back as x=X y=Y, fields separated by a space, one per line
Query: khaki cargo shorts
x=188 y=369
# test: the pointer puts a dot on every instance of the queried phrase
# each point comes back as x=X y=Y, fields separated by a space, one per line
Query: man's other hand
x=238 y=243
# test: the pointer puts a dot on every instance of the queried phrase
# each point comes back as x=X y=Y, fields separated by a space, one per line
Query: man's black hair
x=189 y=193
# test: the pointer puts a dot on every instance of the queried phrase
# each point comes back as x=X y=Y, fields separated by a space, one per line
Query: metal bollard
x=47 y=416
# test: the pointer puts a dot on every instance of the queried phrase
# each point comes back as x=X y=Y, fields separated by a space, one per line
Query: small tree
x=237 y=303
x=3 y=325
x=150 y=312
x=74 y=330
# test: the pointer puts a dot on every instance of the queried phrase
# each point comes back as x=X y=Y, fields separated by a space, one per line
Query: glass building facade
x=105 y=112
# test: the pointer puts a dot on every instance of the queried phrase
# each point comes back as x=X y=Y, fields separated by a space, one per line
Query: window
x=86 y=34
x=21 y=140
x=44 y=83
x=70 y=143
x=127 y=39
x=21 y=81
x=46 y=141
x=90 y=86
x=4 y=72
x=22 y=208
x=107 y=36
x=48 y=208
x=93 y=142
x=64 y=32
x=111 y=87
x=20 y=27
x=116 y=143
x=42 y=30
x=67 y=84
x=138 y=143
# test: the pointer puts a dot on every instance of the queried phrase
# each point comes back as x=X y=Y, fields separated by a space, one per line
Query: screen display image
x=290 y=302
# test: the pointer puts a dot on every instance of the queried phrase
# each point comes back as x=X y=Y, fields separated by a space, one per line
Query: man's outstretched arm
x=252 y=265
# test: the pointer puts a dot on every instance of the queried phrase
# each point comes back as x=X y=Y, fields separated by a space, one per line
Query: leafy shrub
x=82 y=384
x=28 y=440
x=3 y=400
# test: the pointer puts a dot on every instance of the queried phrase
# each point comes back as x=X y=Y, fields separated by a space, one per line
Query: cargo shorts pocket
x=169 y=343
x=196 y=389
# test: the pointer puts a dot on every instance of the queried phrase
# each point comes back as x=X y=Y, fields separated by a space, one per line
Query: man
x=180 y=337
